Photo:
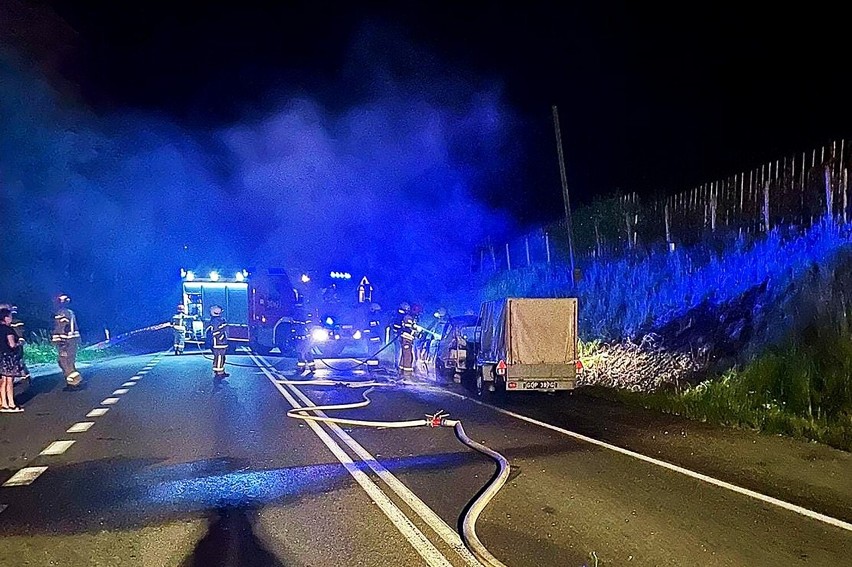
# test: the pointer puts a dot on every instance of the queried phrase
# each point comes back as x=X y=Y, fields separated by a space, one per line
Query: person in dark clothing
x=218 y=328
x=11 y=362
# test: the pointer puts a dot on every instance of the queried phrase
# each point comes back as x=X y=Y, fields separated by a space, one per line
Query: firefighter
x=218 y=328
x=305 y=358
x=66 y=337
x=179 y=324
x=406 y=342
x=374 y=324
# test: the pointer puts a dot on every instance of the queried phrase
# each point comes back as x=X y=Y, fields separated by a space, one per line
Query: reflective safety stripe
x=408 y=336
x=406 y=369
x=300 y=364
x=74 y=374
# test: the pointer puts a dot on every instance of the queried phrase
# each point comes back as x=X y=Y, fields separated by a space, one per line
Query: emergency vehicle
x=265 y=309
x=259 y=307
x=339 y=304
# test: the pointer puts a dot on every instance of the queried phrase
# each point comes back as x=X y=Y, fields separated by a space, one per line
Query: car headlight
x=319 y=335
x=356 y=335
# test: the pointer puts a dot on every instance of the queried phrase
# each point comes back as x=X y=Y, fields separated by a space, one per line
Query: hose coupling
x=436 y=419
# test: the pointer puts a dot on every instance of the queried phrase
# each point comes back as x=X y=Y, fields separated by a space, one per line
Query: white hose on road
x=438 y=419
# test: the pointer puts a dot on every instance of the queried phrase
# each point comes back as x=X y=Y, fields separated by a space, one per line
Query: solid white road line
x=25 y=476
x=109 y=401
x=97 y=412
x=678 y=469
x=120 y=392
x=80 y=427
x=57 y=447
x=449 y=535
x=406 y=527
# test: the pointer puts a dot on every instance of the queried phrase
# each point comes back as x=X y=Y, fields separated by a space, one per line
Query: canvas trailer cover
x=535 y=339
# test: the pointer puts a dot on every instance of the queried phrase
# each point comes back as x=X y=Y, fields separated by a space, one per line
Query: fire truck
x=259 y=306
x=264 y=308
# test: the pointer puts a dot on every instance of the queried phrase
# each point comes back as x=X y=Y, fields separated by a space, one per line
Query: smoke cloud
x=384 y=171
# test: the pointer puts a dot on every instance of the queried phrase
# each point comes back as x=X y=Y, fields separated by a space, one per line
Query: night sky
x=651 y=99
x=299 y=134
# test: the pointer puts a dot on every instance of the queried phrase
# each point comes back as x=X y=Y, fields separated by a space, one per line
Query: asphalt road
x=182 y=471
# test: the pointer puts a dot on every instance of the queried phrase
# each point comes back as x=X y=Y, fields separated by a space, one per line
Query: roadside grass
x=621 y=297
x=39 y=350
x=802 y=391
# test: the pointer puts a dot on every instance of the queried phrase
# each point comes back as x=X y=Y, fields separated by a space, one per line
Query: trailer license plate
x=540 y=385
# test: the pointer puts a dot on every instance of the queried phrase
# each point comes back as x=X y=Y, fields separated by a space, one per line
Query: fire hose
x=438 y=419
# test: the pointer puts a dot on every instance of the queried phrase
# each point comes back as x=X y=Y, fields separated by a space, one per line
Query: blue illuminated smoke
x=386 y=178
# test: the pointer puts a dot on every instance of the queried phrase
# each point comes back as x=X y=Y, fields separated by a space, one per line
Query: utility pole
x=565 y=197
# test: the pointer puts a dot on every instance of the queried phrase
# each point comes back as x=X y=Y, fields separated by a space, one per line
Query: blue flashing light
x=214 y=276
x=329 y=321
x=190 y=276
x=240 y=276
x=305 y=278
x=356 y=335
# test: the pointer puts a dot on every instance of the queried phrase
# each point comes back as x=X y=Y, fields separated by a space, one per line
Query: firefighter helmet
x=416 y=309
x=215 y=311
x=441 y=313
x=181 y=308
x=404 y=307
x=63 y=298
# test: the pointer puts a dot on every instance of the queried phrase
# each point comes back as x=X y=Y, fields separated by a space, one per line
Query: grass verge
x=798 y=392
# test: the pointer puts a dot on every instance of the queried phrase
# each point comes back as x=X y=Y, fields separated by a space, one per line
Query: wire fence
x=796 y=190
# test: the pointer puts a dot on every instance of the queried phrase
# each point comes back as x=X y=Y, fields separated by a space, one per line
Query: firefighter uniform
x=180 y=320
x=218 y=328
x=305 y=362
x=66 y=337
x=406 y=343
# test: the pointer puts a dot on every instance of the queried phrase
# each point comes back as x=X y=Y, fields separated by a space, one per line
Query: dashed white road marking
x=80 y=427
x=3 y=507
x=57 y=447
x=678 y=469
x=97 y=412
x=128 y=384
x=137 y=377
x=109 y=401
x=25 y=476
x=120 y=391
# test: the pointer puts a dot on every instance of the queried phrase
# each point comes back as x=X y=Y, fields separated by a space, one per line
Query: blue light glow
x=329 y=321
x=214 y=276
x=319 y=335
x=190 y=276
x=240 y=276
x=356 y=335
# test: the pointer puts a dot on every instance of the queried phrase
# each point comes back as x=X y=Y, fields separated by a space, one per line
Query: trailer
x=527 y=344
